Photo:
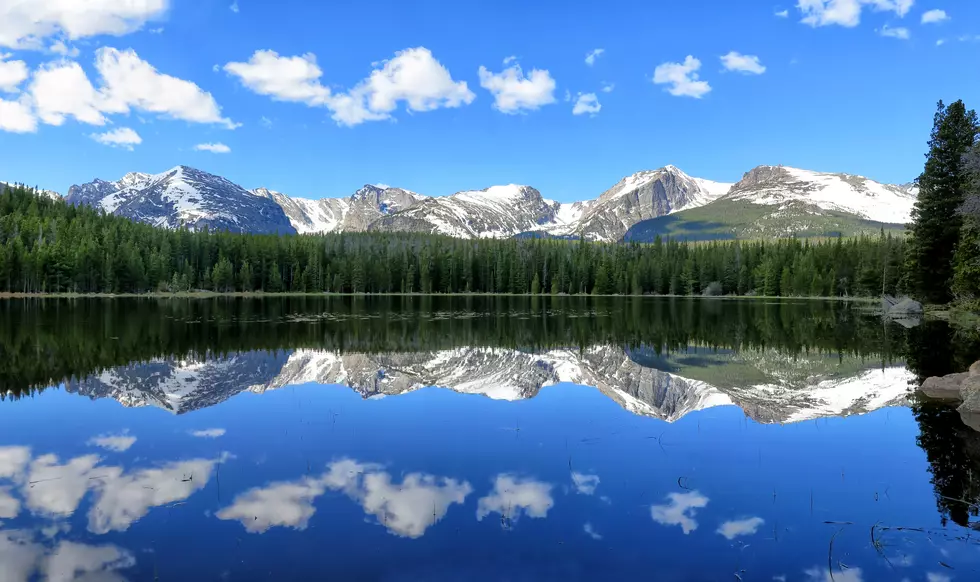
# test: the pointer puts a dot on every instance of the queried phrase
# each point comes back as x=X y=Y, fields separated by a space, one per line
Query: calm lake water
x=410 y=439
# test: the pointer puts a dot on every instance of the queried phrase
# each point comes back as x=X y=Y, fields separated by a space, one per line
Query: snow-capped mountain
x=856 y=195
x=496 y=212
x=642 y=196
x=184 y=197
x=626 y=376
x=771 y=200
x=352 y=214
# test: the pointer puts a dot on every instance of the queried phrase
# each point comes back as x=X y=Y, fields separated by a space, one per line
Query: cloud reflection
x=9 y=505
x=512 y=496
x=116 y=443
x=680 y=511
x=406 y=509
x=25 y=559
x=13 y=460
x=741 y=527
x=208 y=433
x=585 y=484
x=591 y=532
x=817 y=574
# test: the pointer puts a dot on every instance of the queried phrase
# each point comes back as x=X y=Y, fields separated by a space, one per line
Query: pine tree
x=966 y=261
x=536 y=285
x=935 y=229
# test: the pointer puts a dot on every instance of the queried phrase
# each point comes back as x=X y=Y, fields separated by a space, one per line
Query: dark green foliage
x=50 y=247
x=966 y=261
x=936 y=218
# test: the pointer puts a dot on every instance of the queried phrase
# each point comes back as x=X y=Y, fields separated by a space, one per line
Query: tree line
x=48 y=246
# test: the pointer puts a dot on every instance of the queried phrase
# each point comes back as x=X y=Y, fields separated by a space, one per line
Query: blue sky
x=847 y=85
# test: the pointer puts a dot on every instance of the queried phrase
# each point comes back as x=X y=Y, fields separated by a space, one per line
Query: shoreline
x=263 y=295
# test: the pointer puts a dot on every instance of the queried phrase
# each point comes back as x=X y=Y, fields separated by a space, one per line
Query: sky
x=316 y=99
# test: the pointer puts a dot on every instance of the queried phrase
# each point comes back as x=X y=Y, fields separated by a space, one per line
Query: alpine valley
x=769 y=201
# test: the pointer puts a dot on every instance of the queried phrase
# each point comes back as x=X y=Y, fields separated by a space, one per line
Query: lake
x=479 y=438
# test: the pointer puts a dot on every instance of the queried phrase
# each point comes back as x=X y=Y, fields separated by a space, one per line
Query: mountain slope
x=184 y=197
x=352 y=214
x=773 y=201
x=643 y=196
x=46 y=193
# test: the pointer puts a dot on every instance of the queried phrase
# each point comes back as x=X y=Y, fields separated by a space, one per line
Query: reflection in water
x=740 y=527
x=23 y=556
x=680 y=510
x=118 y=443
x=406 y=509
x=513 y=496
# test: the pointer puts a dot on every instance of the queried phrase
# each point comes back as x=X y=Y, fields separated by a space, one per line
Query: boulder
x=906 y=307
x=975 y=369
x=944 y=387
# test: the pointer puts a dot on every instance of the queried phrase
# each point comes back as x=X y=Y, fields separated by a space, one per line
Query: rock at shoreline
x=903 y=310
x=963 y=387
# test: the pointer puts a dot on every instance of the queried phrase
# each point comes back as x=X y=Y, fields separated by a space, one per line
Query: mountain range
x=767 y=201
x=768 y=386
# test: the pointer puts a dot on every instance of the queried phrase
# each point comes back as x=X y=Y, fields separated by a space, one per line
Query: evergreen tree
x=936 y=221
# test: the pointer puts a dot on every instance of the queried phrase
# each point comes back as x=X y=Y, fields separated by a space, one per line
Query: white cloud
x=118 y=137
x=62 y=90
x=23 y=557
x=586 y=103
x=741 y=527
x=406 y=509
x=512 y=496
x=156 y=30
x=941 y=42
x=847 y=12
x=608 y=87
x=591 y=532
x=9 y=505
x=59 y=47
x=782 y=14
x=234 y=7
x=17 y=117
x=934 y=16
x=53 y=489
x=590 y=57
x=13 y=460
x=900 y=33
x=284 y=504
x=214 y=148
x=73 y=561
x=208 y=433
x=130 y=82
x=513 y=92
x=585 y=484
x=936 y=577
x=24 y=23
x=125 y=498
x=682 y=78
x=748 y=64
x=412 y=76
x=680 y=510
x=817 y=574
x=12 y=74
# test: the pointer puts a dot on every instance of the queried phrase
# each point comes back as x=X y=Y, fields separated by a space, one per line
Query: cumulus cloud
x=608 y=87
x=118 y=137
x=13 y=460
x=12 y=73
x=17 y=117
x=899 y=32
x=59 y=47
x=586 y=103
x=208 y=433
x=413 y=77
x=934 y=16
x=54 y=489
x=680 y=510
x=9 y=505
x=74 y=561
x=214 y=148
x=24 y=24
x=847 y=12
x=590 y=57
x=782 y=14
x=585 y=484
x=406 y=509
x=682 y=78
x=512 y=496
x=513 y=92
x=62 y=90
x=748 y=64
x=742 y=527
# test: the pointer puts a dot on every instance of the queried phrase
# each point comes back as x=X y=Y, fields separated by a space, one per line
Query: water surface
x=479 y=439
